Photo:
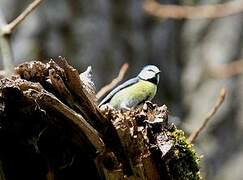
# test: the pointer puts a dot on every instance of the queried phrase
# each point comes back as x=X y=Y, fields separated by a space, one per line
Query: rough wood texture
x=52 y=128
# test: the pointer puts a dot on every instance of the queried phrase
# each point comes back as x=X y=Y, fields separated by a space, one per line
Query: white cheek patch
x=147 y=74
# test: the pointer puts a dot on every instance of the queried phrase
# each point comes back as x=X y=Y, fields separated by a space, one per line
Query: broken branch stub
x=49 y=109
x=151 y=143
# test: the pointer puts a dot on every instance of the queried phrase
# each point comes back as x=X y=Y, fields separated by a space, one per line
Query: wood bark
x=52 y=128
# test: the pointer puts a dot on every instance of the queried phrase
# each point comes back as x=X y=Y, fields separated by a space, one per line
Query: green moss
x=183 y=162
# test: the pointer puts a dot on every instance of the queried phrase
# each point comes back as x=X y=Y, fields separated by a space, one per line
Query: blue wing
x=118 y=88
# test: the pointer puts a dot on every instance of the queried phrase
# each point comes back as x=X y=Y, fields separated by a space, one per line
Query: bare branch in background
x=227 y=70
x=5 y=32
x=114 y=82
x=193 y=12
x=8 y=28
x=219 y=102
x=5 y=48
x=7 y=55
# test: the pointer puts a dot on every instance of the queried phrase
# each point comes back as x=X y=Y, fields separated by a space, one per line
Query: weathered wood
x=35 y=93
x=53 y=105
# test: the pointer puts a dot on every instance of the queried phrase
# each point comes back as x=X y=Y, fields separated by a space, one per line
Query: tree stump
x=51 y=128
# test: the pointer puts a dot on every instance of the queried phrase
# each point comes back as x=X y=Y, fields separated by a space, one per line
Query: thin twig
x=219 y=102
x=9 y=28
x=114 y=82
x=5 y=32
x=193 y=12
x=227 y=70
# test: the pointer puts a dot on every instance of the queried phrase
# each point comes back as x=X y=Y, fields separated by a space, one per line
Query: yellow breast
x=135 y=94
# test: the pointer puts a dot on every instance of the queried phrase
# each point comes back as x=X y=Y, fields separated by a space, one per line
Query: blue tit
x=135 y=91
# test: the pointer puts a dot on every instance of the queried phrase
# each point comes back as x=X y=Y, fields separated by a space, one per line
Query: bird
x=136 y=91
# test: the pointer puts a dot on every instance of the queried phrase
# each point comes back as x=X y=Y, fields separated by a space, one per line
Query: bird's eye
x=150 y=70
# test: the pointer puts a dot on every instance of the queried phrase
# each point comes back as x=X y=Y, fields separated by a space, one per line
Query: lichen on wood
x=51 y=127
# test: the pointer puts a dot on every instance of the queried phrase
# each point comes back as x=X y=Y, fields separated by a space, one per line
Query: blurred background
x=197 y=58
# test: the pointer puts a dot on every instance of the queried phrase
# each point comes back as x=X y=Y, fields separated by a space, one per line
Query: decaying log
x=52 y=128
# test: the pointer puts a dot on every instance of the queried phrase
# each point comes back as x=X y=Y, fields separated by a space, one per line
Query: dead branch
x=34 y=92
x=227 y=70
x=49 y=101
x=9 y=28
x=215 y=108
x=5 y=32
x=66 y=84
x=114 y=82
x=193 y=12
x=48 y=109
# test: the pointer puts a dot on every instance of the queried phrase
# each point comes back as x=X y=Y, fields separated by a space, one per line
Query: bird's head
x=150 y=73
